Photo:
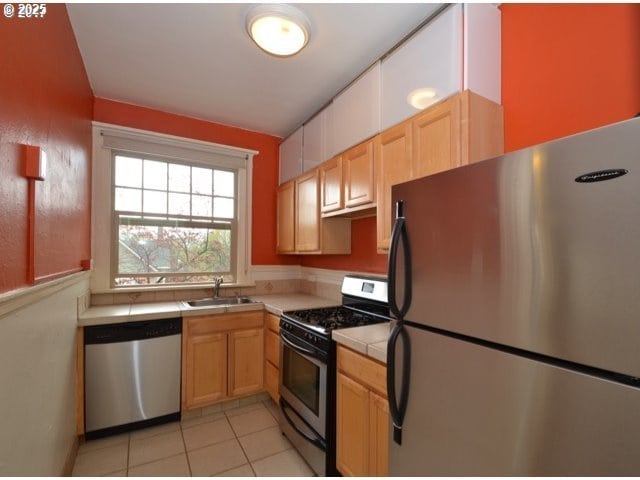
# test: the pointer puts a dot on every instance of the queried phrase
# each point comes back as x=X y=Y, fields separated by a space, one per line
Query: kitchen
x=565 y=69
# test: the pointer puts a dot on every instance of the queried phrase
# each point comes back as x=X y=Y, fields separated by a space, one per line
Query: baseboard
x=67 y=470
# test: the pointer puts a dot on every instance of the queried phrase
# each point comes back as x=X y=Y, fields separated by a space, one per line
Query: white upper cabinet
x=482 y=50
x=356 y=112
x=291 y=156
x=424 y=70
x=314 y=149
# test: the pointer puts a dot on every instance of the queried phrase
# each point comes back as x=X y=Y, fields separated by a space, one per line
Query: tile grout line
x=186 y=453
x=128 y=454
x=243 y=450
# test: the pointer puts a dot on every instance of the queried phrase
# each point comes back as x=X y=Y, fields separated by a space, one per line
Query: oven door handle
x=317 y=441
x=297 y=347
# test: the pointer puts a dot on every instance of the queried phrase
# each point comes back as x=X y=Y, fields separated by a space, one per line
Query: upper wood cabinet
x=307 y=218
x=436 y=138
x=394 y=165
x=356 y=112
x=348 y=182
x=461 y=129
x=285 y=236
x=313 y=234
x=290 y=153
x=331 y=192
x=359 y=175
x=300 y=228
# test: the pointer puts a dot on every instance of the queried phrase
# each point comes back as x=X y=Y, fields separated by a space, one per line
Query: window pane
x=156 y=249
x=128 y=200
x=223 y=207
x=201 y=180
x=179 y=178
x=223 y=183
x=201 y=206
x=179 y=203
x=155 y=175
x=155 y=202
x=128 y=172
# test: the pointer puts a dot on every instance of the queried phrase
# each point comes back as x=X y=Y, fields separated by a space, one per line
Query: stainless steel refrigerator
x=516 y=285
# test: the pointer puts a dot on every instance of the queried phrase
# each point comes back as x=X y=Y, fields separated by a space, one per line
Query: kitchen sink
x=212 y=302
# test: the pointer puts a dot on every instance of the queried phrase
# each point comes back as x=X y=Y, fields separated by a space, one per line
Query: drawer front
x=363 y=369
x=273 y=322
x=272 y=348
x=224 y=322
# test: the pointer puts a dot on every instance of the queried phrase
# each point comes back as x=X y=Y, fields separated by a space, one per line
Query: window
x=168 y=211
x=175 y=223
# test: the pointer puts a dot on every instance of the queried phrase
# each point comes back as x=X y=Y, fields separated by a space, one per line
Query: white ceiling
x=197 y=59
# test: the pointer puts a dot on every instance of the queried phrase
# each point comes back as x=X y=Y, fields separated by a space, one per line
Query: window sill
x=165 y=288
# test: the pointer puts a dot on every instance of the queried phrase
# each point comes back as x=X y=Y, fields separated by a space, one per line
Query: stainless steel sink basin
x=213 y=302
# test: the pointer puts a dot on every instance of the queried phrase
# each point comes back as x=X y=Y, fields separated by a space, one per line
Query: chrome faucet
x=217 y=281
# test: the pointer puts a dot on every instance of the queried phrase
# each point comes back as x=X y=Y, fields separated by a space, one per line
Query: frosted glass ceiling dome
x=278 y=29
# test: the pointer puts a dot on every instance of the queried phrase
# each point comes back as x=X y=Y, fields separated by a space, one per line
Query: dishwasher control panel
x=130 y=331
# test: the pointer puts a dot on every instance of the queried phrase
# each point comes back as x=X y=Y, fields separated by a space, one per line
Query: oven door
x=303 y=381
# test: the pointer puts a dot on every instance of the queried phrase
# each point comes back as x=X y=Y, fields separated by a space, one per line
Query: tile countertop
x=275 y=304
x=369 y=340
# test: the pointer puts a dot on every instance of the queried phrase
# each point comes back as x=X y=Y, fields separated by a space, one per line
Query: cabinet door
x=393 y=165
x=272 y=380
x=286 y=218
x=359 y=180
x=436 y=138
x=352 y=428
x=246 y=361
x=307 y=224
x=331 y=185
x=272 y=348
x=205 y=374
x=379 y=436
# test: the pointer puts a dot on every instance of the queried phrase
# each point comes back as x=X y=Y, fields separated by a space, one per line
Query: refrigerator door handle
x=398 y=407
x=399 y=235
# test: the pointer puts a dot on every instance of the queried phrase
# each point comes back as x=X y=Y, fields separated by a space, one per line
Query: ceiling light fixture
x=278 y=29
x=421 y=98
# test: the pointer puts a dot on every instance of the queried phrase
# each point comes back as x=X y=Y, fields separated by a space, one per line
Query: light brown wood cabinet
x=311 y=234
x=394 y=164
x=331 y=195
x=459 y=130
x=362 y=416
x=348 y=183
x=286 y=213
x=272 y=356
x=359 y=175
x=222 y=357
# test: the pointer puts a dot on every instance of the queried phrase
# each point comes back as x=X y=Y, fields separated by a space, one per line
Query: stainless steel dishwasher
x=132 y=375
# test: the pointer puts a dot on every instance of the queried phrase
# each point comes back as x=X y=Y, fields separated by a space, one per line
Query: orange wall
x=265 y=164
x=45 y=100
x=568 y=68
x=363 y=256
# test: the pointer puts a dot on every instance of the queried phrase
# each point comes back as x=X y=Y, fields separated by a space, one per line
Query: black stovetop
x=326 y=319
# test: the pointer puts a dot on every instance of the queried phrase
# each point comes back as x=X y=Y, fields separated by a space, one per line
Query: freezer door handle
x=398 y=407
x=399 y=236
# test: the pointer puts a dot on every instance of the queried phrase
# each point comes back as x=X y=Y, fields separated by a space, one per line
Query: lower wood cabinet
x=362 y=416
x=272 y=356
x=222 y=357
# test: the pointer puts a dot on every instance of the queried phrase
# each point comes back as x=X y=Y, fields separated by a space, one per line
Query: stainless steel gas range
x=308 y=366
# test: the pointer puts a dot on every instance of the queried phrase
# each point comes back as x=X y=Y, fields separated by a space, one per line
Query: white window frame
x=108 y=139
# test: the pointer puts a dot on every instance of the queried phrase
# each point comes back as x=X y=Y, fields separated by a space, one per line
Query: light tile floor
x=244 y=441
